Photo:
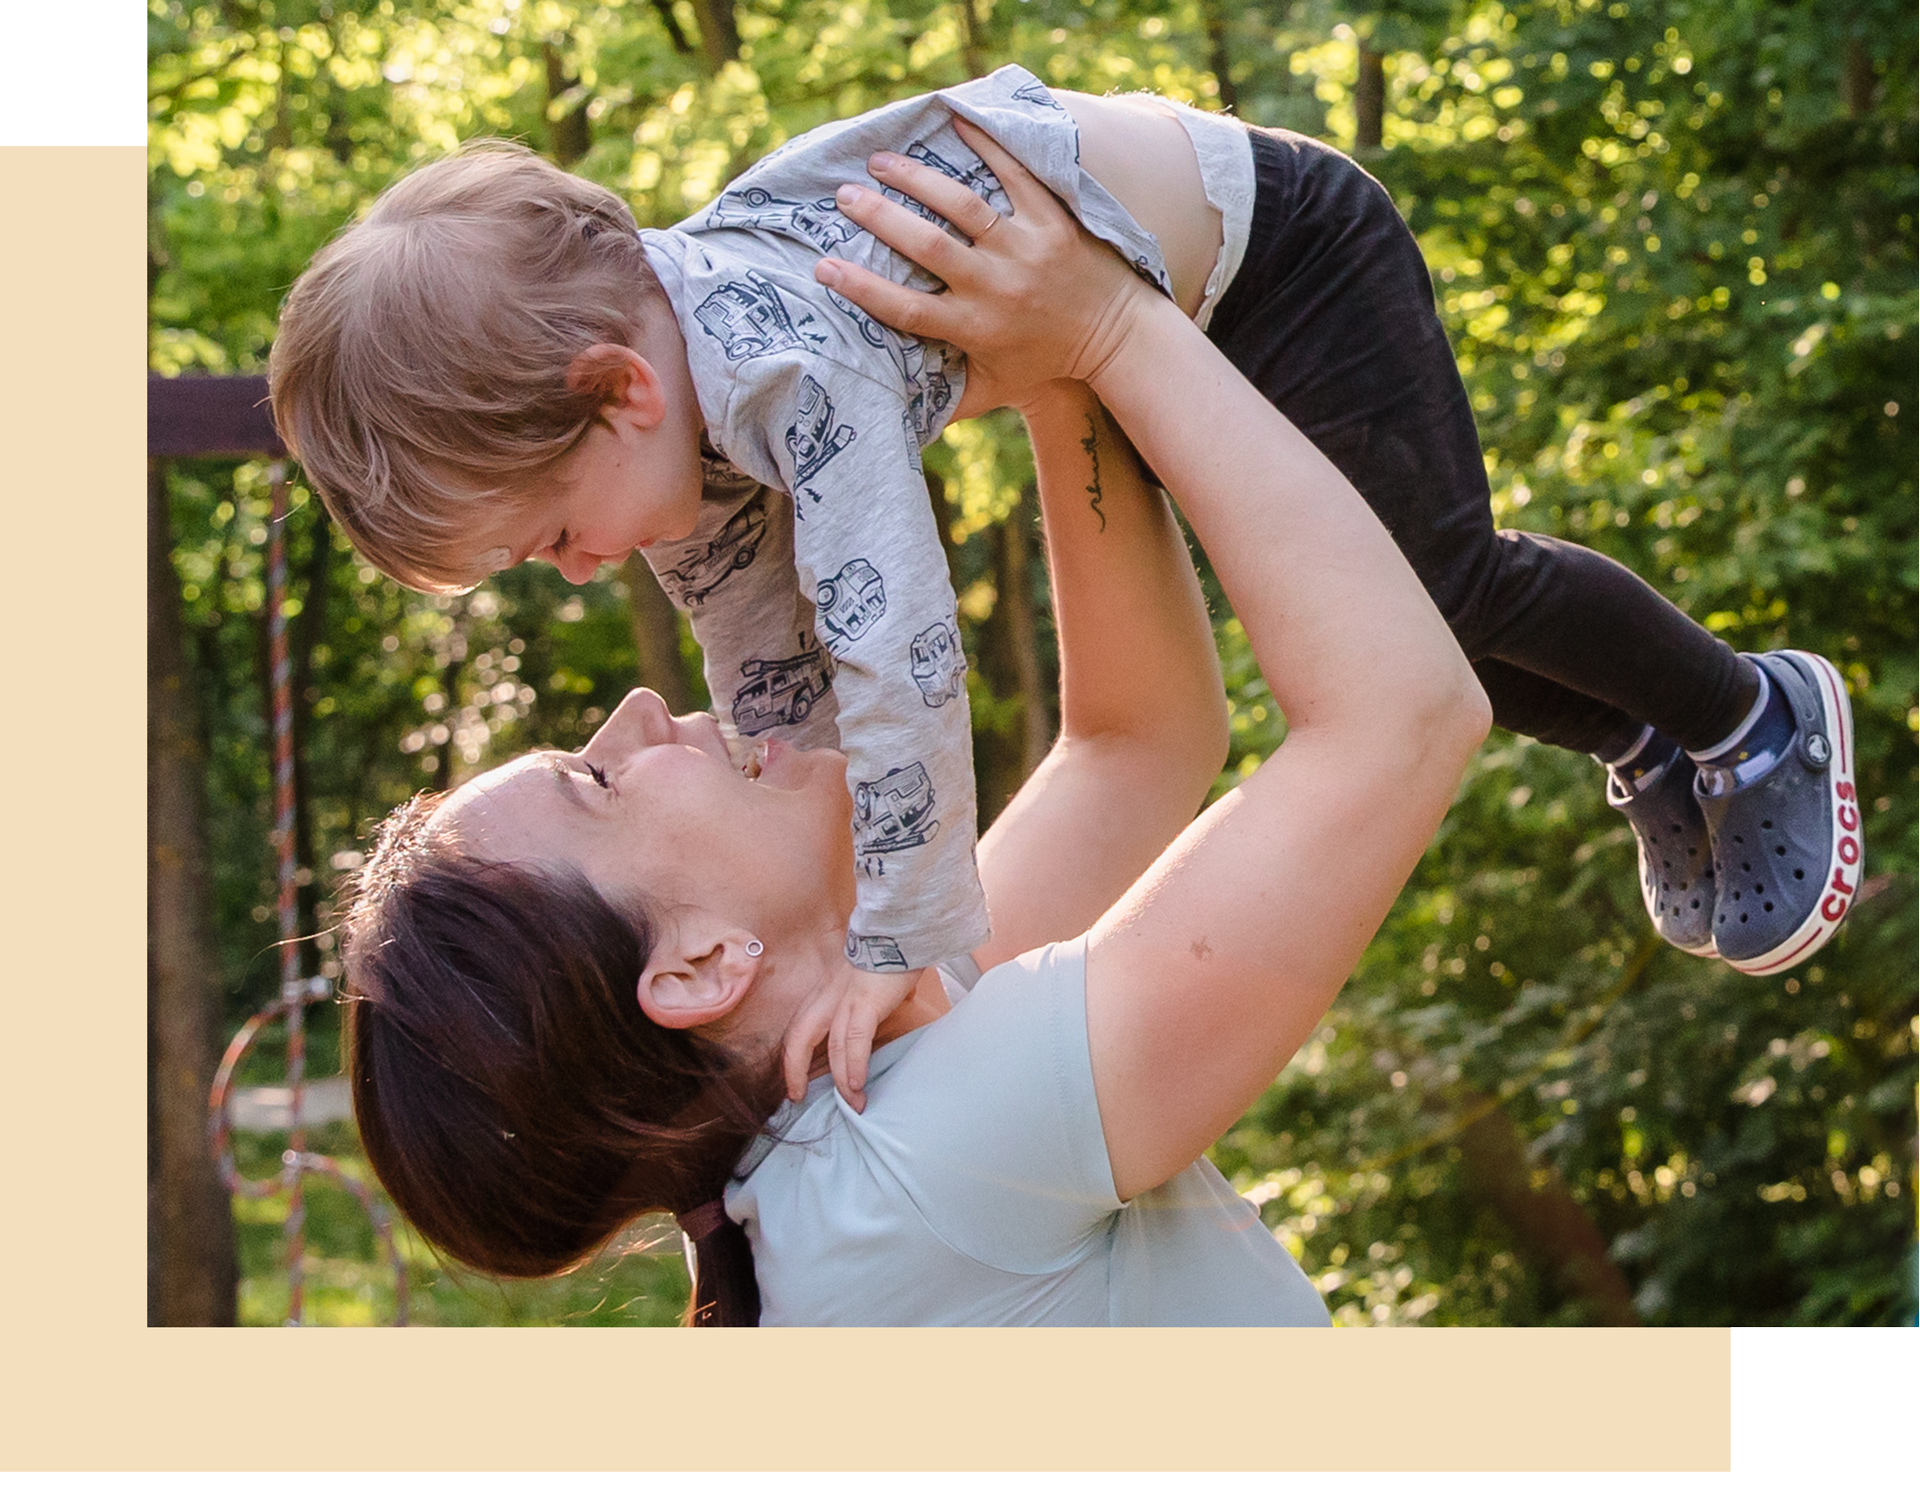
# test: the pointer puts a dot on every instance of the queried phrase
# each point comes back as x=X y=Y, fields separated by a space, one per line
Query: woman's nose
x=640 y=721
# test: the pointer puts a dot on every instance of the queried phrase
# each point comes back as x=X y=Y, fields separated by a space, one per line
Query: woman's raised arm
x=1204 y=979
x=1143 y=716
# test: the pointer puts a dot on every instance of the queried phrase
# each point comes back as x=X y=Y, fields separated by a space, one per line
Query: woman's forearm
x=1137 y=660
x=1142 y=717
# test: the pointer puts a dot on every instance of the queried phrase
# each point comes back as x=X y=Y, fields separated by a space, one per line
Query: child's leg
x=1331 y=315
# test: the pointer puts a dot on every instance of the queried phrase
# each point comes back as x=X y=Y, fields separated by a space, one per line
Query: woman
x=574 y=978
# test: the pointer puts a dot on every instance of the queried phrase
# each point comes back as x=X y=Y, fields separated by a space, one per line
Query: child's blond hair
x=421 y=373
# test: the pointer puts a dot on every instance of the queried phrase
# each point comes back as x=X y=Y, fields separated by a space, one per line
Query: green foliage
x=1673 y=243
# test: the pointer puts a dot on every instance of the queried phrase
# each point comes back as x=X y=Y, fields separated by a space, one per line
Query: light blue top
x=975 y=1190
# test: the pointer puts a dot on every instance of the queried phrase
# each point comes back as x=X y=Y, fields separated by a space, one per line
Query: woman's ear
x=623 y=381
x=699 y=972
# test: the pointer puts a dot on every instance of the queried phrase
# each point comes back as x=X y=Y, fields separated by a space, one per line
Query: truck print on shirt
x=847 y=604
x=894 y=811
x=780 y=693
x=751 y=319
x=819 y=222
x=939 y=664
x=875 y=951
x=733 y=547
x=812 y=437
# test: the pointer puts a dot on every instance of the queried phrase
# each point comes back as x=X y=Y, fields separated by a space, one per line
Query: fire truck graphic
x=749 y=319
x=848 y=603
x=812 y=438
x=819 y=222
x=733 y=547
x=939 y=664
x=894 y=812
x=875 y=952
x=780 y=692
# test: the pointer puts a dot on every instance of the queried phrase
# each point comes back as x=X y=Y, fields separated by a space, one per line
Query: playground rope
x=296 y=992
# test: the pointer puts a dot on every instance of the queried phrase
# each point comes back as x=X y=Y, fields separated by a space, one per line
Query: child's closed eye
x=559 y=543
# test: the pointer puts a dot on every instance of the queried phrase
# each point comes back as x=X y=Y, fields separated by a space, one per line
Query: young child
x=495 y=365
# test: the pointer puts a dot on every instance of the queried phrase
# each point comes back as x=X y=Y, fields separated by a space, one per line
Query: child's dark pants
x=1331 y=315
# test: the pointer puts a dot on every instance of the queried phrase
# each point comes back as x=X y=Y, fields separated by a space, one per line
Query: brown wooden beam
x=206 y=417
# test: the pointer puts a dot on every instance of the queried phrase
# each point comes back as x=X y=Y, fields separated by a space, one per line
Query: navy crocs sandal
x=1787 y=846
x=1676 y=856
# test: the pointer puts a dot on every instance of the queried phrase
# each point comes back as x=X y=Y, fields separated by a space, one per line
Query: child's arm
x=867 y=553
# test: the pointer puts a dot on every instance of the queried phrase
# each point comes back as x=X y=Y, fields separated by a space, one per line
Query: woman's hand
x=1033 y=298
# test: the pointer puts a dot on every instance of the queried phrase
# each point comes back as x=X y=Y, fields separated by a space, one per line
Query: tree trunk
x=192 y=1271
x=664 y=9
x=719 y=39
x=568 y=136
x=656 y=636
x=1217 y=57
x=1019 y=729
x=1544 y=1217
x=1856 y=83
x=450 y=667
x=971 y=56
x=1369 y=102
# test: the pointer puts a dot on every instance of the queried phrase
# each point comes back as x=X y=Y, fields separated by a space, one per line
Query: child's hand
x=845 y=1014
x=1036 y=297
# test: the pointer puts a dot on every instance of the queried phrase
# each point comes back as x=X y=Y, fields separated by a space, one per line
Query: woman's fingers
x=905 y=231
x=928 y=315
x=1023 y=188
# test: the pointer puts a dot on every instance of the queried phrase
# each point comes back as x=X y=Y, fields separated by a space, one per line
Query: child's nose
x=577 y=567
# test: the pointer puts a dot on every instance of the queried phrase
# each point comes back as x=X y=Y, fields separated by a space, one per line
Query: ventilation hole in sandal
x=1798 y=875
x=1694 y=904
x=1743 y=918
x=1766 y=907
x=1736 y=895
x=1693 y=851
x=1766 y=825
x=1779 y=851
x=1741 y=839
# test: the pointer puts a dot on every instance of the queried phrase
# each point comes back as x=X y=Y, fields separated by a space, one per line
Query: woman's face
x=653 y=807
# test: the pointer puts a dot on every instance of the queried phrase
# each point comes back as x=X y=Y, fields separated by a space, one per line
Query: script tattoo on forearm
x=1091 y=443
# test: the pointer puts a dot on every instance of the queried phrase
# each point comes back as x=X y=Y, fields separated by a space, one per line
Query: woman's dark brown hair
x=515 y=1101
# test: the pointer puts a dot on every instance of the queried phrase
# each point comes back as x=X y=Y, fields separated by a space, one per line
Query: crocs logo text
x=1833 y=907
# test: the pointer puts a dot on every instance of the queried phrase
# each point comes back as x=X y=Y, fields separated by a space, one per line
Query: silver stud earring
x=755 y=949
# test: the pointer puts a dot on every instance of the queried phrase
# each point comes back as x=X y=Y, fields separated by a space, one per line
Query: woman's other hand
x=1033 y=297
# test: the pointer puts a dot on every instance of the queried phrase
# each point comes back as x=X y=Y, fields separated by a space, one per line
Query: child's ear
x=620 y=378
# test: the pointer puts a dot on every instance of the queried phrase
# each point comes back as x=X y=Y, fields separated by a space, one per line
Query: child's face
x=634 y=480
x=608 y=498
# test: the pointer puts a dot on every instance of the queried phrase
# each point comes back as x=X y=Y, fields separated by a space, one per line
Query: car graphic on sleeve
x=894 y=811
x=819 y=221
x=748 y=318
x=780 y=693
x=875 y=951
x=733 y=547
x=813 y=438
x=939 y=664
x=847 y=604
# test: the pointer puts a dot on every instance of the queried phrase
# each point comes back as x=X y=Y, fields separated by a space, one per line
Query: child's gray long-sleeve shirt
x=822 y=602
